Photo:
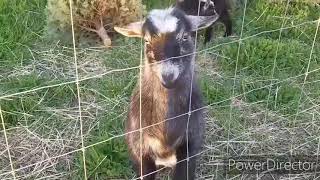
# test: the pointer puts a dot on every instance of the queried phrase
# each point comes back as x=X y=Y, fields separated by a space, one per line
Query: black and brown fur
x=164 y=112
x=220 y=7
x=159 y=104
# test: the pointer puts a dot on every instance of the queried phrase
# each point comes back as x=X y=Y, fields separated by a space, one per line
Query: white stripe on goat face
x=163 y=21
x=167 y=68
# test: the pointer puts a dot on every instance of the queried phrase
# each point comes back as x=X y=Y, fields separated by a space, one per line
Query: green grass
x=150 y=4
x=110 y=159
x=105 y=99
x=257 y=57
x=22 y=23
x=297 y=13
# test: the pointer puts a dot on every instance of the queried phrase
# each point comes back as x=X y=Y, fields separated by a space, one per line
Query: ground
x=261 y=87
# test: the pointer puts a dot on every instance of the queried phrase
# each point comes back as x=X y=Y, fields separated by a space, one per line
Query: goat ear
x=201 y=22
x=131 y=30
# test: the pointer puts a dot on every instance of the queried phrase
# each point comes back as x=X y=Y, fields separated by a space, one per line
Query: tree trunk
x=102 y=33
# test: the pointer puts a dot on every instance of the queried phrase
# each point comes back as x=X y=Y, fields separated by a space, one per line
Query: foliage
x=93 y=15
x=22 y=23
x=254 y=87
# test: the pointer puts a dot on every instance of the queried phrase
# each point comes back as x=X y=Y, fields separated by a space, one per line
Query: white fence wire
x=240 y=40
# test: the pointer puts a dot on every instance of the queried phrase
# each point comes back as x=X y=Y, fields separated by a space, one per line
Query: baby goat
x=165 y=94
x=208 y=8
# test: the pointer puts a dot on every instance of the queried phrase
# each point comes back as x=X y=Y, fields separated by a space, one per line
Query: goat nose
x=168 y=77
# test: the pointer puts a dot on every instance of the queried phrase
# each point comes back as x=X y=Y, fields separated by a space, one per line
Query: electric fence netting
x=63 y=112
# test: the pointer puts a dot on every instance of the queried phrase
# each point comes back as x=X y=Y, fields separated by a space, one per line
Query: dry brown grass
x=41 y=148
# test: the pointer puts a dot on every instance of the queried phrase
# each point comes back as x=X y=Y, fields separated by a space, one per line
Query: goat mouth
x=168 y=85
x=169 y=82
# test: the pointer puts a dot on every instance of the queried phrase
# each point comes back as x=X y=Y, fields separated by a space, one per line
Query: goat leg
x=226 y=20
x=208 y=34
x=184 y=167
